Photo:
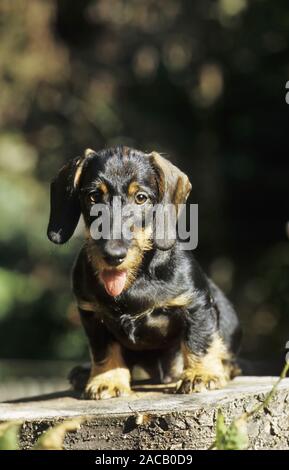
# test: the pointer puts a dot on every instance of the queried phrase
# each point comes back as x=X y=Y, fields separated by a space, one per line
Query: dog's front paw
x=110 y=384
x=192 y=382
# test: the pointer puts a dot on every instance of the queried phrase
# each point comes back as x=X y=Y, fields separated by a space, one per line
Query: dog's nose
x=114 y=252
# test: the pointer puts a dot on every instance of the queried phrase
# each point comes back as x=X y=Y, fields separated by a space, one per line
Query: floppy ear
x=64 y=202
x=174 y=187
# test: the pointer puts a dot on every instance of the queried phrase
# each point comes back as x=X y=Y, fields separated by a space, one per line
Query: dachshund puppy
x=142 y=298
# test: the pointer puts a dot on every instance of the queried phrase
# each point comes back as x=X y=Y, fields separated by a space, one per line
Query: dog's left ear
x=64 y=201
x=174 y=185
x=174 y=188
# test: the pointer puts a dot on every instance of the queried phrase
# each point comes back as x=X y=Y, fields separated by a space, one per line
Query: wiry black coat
x=170 y=303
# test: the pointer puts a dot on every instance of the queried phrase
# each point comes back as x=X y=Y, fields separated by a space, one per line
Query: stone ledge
x=165 y=420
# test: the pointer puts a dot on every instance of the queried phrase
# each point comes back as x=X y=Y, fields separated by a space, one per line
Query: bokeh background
x=202 y=81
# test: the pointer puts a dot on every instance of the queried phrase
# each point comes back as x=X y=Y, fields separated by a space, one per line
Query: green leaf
x=234 y=437
x=54 y=437
x=221 y=430
x=9 y=435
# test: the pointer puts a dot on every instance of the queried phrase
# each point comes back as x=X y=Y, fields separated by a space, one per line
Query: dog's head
x=114 y=181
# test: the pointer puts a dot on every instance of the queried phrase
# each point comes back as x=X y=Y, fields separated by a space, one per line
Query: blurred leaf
x=233 y=437
x=54 y=437
x=9 y=435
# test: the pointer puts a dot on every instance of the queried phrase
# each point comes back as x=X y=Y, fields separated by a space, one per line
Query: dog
x=142 y=300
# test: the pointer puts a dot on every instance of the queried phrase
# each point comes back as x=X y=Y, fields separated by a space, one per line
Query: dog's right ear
x=64 y=201
x=174 y=187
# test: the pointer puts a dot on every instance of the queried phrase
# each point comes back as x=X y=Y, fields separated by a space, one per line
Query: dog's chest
x=149 y=330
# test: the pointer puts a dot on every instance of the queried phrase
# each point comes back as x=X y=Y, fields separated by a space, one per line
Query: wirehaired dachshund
x=141 y=300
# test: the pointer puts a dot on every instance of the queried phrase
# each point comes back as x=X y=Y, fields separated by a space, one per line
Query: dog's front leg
x=109 y=375
x=206 y=357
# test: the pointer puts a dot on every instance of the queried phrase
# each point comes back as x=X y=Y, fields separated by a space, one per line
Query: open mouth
x=113 y=280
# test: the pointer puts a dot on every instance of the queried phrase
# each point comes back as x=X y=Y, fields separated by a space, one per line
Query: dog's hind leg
x=172 y=364
x=78 y=377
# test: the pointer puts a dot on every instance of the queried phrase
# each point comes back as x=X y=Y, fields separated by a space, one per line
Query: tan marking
x=97 y=308
x=109 y=378
x=84 y=305
x=205 y=372
x=78 y=172
x=132 y=261
x=88 y=152
x=130 y=264
x=79 y=164
x=143 y=238
x=133 y=188
x=182 y=300
x=103 y=187
x=161 y=322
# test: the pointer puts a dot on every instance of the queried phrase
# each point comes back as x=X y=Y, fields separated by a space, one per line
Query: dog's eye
x=94 y=197
x=141 y=198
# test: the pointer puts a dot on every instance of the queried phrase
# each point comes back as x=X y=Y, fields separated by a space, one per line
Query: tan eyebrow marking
x=79 y=165
x=103 y=187
x=87 y=152
x=133 y=188
x=78 y=172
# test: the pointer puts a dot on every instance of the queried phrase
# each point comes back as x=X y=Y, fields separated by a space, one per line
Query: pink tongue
x=114 y=281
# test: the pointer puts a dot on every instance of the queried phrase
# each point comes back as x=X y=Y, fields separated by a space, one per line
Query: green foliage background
x=202 y=81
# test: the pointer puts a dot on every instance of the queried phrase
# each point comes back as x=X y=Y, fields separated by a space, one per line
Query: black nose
x=114 y=252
